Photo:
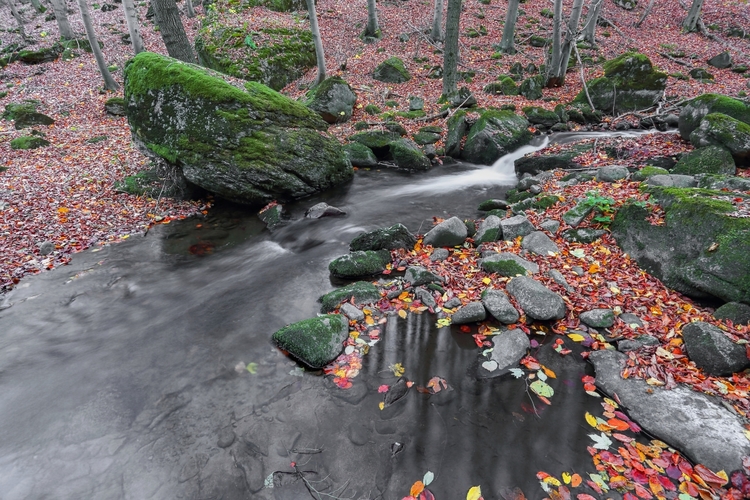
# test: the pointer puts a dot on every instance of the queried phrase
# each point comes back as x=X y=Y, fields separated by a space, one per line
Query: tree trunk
x=691 y=22
x=595 y=7
x=645 y=13
x=189 y=10
x=38 y=6
x=506 y=44
x=131 y=18
x=319 y=56
x=437 y=22
x=450 y=51
x=570 y=38
x=61 y=16
x=172 y=31
x=373 y=29
x=109 y=82
x=18 y=18
x=553 y=75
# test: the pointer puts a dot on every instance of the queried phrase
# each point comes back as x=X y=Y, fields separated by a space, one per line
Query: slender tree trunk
x=189 y=10
x=319 y=56
x=450 y=51
x=109 y=82
x=131 y=18
x=691 y=22
x=553 y=76
x=61 y=16
x=38 y=6
x=18 y=18
x=645 y=13
x=506 y=44
x=570 y=38
x=172 y=31
x=589 y=31
x=437 y=22
x=373 y=29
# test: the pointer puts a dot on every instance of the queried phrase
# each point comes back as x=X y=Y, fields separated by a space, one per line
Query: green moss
x=316 y=341
x=375 y=139
x=372 y=109
x=696 y=109
x=14 y=109
x=707 y=160
x=514 y=196
x=392 y=70
x=140 y=184
x=363 y=292
x=504 y=268
x=359 y=264
x=28 y=142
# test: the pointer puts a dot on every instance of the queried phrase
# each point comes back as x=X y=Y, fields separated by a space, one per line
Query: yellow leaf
x=397 y=369
x=594 y=268
x=553 y=481
x=486 y=281
x=566 y=477
x=747 y=434
x=402 y=315
x=614 y=289
x=381 y=405
x=591 y=420
x=369 y=320
x=576 y=337
x=63 y=210
x=475 y=493
x=548 y=372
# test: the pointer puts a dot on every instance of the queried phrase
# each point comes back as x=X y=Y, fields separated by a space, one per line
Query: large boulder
x=363 y=292
x=536 y=300
x=457 y=128
x=718 y=129
x=316 y=341
x=333 y=99
x=498 y=305
x=387 y=238
x=712 y=351
x=25 y=114
x=275 y=57
x=360 y=264
x=407 y=155
x=360 y=155
x=449 y=233
x=706 y=160
x=392 y=70
x=251 y=146
x=494 y=135
x=701 y=250
x=630 y=83
x=696 y=109
x=535 y=163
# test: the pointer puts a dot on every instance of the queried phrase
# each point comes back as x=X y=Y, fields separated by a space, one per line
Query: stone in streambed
x=388 y=238
x=577 y=214
x=425 y=297
x=316 y=341
x=470 y=313
x=583 y=235
x=498 y=305
x=507 y=350
x=536 y=300
x=449 y=233
x=612 y=173
x=507 y=264
x=493 y=204
x=712 y=351
x=516 y=226
x=360 y=264
x=489 y=230
x=439 y=254
x=323 y=209
x=598 y=318
x=363 y=292
x=539 y=243
x=352 y=312
x=417 y=276
x=737 y=312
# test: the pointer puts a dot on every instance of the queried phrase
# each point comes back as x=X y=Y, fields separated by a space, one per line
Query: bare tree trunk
x=437 y=34
x=691 y=22
x=172 y=31
x=189 y=10
x=131 y=18
x=589 y=31
x=61 y=16
x=373 y=30
x=506 y=44
x=450 y=51
x=38 y=6
x=645 y=13
x=553 y=76
x=109 y=82
x=319 y=56
x=570 y=38
x=18 y=18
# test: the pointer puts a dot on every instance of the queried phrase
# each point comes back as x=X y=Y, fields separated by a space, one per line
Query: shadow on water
x=124 y=374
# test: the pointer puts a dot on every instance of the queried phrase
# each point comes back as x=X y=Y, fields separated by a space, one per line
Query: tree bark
x=109 y=82
x=61 y=16
x=189 y=10
x=172 y=31
x=319 y=56
x=437 y=34
x=553 y=77
x=131 y=18
x=450 y=51
x=589 y=31
x=373 y=30
x=18 y=18
x=506 y=44
x=645 y=13
x=38 y=6
x=691 y=22
x=570 y=38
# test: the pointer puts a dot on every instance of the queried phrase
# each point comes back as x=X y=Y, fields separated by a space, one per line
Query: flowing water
x=119 y=373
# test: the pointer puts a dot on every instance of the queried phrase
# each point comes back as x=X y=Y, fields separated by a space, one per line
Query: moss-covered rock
x=28 y=142
x=333 y=99
x=535 y=164
x=360 y=155
x=316 y=341
x=494 y=135
x=540 y=116
x=737 y=313
x=457 y=128
x=387 y=238
x=503 y=86
x=507 y=268
x=722 y=130
x=275 y=57
x=700 y=251
x=360 y=264
x=392 y=70
x=701 y=74
x=705 y=160
x=43 y=55
x=251 y=146
x=531 y=88
x=115 y=106
x=695 y=110
x=279 y=5
x=427 y=136
x=363 y=292
x=377 y=140
x=407 y=155
x=649 y=171
x=79 y=44
x=630 y=83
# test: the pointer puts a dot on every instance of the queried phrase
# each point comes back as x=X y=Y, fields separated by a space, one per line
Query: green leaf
x=516 y=372
x=428 y=477
x=542 y=388
x=578 y=252
x=252 y=368
x=249 y=42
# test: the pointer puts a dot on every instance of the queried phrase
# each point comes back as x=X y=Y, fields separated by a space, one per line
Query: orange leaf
x=416 y=488
x=575 y=480
x=618 y=424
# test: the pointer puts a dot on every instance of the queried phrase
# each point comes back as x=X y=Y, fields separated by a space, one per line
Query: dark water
x=118 y=373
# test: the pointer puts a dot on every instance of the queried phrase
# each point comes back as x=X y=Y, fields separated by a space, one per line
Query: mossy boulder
x=387 y=238
x=363 y=292
x=695 y=110
x=79 y=44
x=279 y=5
x=428 y=135
x=407 y=155
x=28 y=142
x=25 y=115
x=315 y=341
x=360 y=264
x=534 y=164
x=649 y=171
x=737 y=313
x=275 y=56
x=503 y=86
x=115 y=106
x=700 y=251
x=360 y=155
x=457 y=128
x=531 y=88
x=705 y=160
x=43 y=55
x=392 y=70
x=630 y=83
x=378 y=141
x=718 y=129
x=494 y=135
x=333 y=99
x=249 y=146
x=540 y=116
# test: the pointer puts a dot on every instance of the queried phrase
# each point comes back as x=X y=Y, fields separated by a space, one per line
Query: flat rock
x=598 y=318
x=577 y=214
x=539 y=243
x=516 y=226
x=550 y=225
x=449 y=233
x=388 y=238
x=489 y=230
x=323 y=209
x=470 y=313
x=672 y=180
x=612 y=173
x=507 y=264
x=712 y=350
x=690 y=421
x=507 y=350
x=583 y=235
x=560 y=280
x=439 y=254
x=498 y=305
x=417 y=276
x=352 y=312
x=536 y=300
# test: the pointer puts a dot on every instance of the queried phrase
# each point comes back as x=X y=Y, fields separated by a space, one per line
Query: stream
x=122 y=375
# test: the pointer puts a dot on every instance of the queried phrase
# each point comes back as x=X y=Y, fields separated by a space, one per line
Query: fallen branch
x=645 y=13
x=583 y=78
x=675 y=60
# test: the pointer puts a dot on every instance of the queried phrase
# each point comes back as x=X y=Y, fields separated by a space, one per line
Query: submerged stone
x=316 y=341
x=363 y=292
x=598 y=318
x=360 y=264
x=508 y=348
x=417 y=275
x=387 y=238
x=470 y=313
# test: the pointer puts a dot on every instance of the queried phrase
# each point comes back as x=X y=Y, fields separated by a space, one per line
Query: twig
x=428 y=118
x=675 y=60
x=618 y=30
x=645 y=14
x=583 y=78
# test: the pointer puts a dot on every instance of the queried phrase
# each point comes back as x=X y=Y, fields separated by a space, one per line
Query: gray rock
x=598 y=318
x=352 y=312
x=721 y=61
x=449 y=233
x=363 y=292
x=496 y=262
x=672 y=180
x=387 y=238
x=493 y=204
x=407 y=155
x=498 y=305
x=470 y=313
x=636 y=343
x=452 y=303
x=392 y=70
x=489 y=230
x=612 y=173
x=560 y=280
x=416 y=103
x=425 y=297
x=226 y=438
x=525 y=183
x=495 y=134
x=536 y=300
x=323 y=209
x=333 y=99
x=737 y=312
x=578 y=270
x=535 y=189
x=417 y=276
x=583 y=235
x=360 y=155
x=550 y=225
x=717 y=129
x=507 y=350
x=712 y=351
x=539 y=243
x=316 y=341
x=439 y=254
x=695 y=110
x=46 y=248
x=577 y=214
x=631 y=319
x=516 y=226
x=359 y=264
x=692 y=422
